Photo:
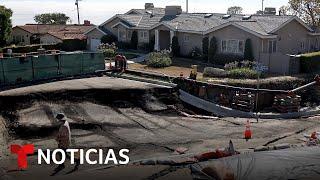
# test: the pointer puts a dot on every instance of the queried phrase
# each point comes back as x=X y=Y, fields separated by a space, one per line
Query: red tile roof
x=59 y=31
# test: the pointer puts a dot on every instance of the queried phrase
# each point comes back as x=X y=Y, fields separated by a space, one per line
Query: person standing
x=64 y=140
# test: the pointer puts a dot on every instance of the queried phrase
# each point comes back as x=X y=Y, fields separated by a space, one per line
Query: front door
x=164 y=39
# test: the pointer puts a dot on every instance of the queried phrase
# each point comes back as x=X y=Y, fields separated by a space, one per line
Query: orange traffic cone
x=248 y=132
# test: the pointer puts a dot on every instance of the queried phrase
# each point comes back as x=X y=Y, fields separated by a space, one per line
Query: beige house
x=273 y=37
x=52 y=34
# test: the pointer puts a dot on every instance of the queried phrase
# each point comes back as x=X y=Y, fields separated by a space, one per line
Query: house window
x=143 y=34
x=272 y=46
x=186 y=38
x=232 y=46
x=122 y=34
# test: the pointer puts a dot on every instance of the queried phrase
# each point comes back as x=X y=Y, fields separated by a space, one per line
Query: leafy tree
x=248 y=53
x=52 y=18
x=307 y=10
x=108 y=39
x=5 y=25
x=285 y=10
x=234 y=10
x=212 y=48
x=134 y=40
x=175 y=46
x=205 y=47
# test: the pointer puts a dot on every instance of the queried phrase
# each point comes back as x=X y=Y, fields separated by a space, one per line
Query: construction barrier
x=17 y=70
x=92 y=62
x=45 y=67
x=71 y=64
x=33 y=68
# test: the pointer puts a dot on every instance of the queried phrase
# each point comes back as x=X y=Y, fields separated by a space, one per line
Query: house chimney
x=87 y=23
x=173 y=10
x=270 y=11
x=148 y=6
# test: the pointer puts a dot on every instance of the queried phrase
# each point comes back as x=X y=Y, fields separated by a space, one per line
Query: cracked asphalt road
x=146 y=133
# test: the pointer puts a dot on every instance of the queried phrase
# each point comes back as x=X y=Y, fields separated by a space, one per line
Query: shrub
x=123 y=45
x=195 y=53
x=108 y=50
x=109 y=53
x=310 y=63
x=248 y=53
x=175 y=46
x=242 y=64
x=212 y=48
x=134 y=40
x=243 y=73
x=109 y=39
x=214 y=72
x=73 y=45
x=159 y=59
x=205 y=48
x=232 y=65
x=222 y=59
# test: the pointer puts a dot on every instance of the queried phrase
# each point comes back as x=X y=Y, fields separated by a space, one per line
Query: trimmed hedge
x=73 y=45
x=243 y=73
x=214 y=72
x=310 y=63
x=109 y=39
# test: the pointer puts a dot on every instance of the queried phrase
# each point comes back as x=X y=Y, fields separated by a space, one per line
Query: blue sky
x=97 y=11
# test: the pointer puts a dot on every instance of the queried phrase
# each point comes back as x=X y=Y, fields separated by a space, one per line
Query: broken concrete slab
x=261 y=148
x=282 y=146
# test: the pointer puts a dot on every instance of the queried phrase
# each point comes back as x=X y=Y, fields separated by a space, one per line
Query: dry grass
x=182 y=65
x=179 y=65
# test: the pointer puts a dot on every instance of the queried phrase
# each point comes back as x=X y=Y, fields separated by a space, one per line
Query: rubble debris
x=282 y=146
x=244 y=101
x=286 y=103
x=261 y=148
x=189 y=115
x=181 y=150
x=313 y=139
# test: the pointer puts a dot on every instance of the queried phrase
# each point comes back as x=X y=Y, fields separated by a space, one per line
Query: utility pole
x=262 y=10
x=187 y=6
x=77 y=4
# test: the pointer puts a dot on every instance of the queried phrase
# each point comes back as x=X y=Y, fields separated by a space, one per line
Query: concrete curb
x=151 y=81
x=229 y=112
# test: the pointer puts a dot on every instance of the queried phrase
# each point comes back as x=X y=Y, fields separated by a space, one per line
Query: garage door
x=94 y=43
